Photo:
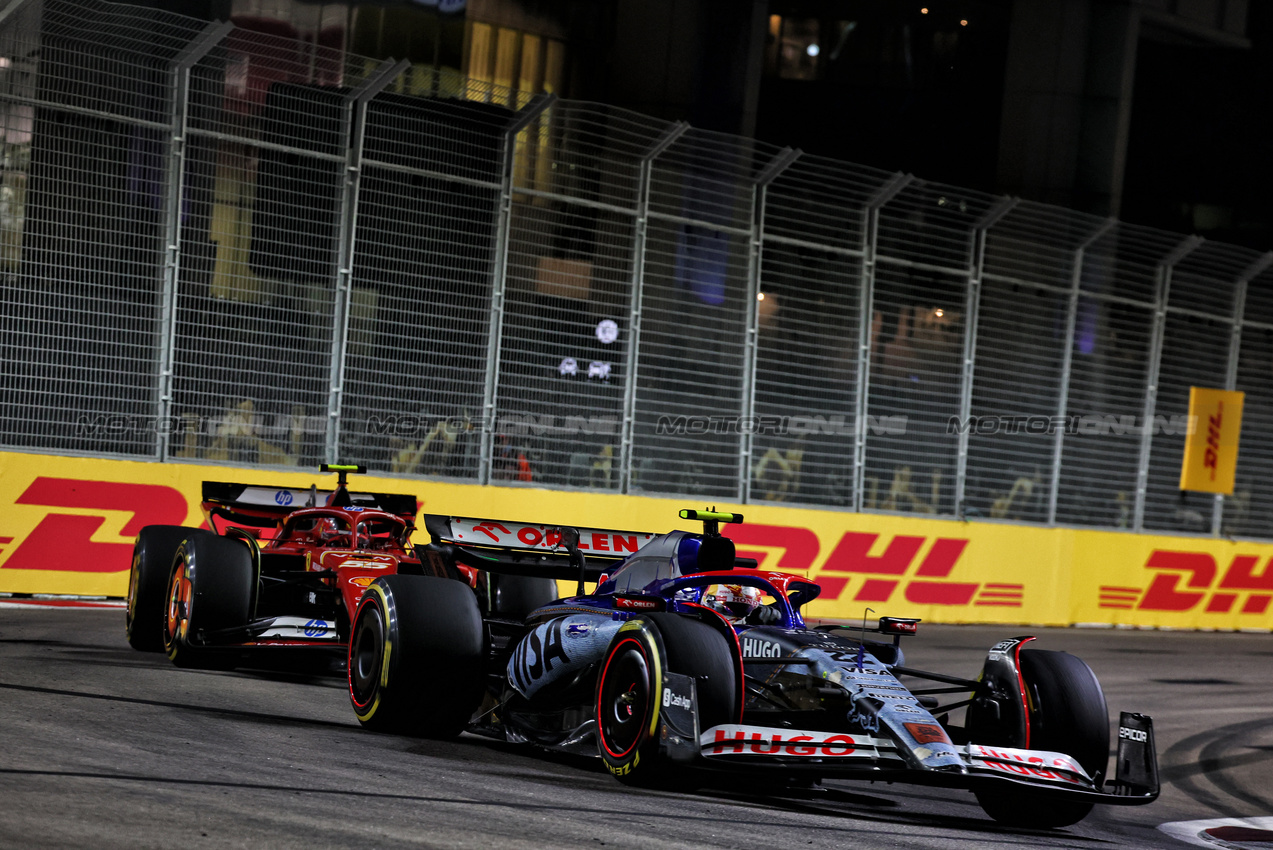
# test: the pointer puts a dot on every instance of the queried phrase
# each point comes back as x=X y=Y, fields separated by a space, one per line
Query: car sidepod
x=555 y=652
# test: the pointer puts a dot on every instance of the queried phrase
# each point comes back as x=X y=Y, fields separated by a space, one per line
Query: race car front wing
x=853 y=755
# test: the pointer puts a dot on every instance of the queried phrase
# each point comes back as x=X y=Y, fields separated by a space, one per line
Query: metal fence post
x=1155 y=364
x=1235 y=353
x=870 y=237
x=503 y=235
x=355 y=107
x=178 y=116
x=640 y=232
x=972 y=308
x=1067 y=361
x=760 y=189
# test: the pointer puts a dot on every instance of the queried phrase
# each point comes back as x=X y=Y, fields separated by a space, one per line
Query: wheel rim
x=624 y=703
x=177 y=621
x=366 y=653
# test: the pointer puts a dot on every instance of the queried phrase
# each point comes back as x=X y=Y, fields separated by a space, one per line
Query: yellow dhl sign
x=1211 y=446
x=67 y=527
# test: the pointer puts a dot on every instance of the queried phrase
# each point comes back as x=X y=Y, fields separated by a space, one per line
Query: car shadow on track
x=604 y=808
x=731 y=790
x=251 y=716
x=318 y=669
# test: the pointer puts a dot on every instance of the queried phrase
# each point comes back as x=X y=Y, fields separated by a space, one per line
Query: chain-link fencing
x=226 y=246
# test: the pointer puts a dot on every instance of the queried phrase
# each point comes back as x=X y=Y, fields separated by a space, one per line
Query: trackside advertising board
x=67 y=527
x=1210 y=462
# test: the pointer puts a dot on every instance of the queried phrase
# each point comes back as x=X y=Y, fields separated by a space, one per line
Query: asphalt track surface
x=102 y=746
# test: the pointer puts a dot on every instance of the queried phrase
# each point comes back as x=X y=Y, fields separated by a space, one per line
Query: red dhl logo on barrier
x=928 y=583
x=64 y=541
x=1186 y=580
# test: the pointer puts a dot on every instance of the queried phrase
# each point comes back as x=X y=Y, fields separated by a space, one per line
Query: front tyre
x=209 y=590
x=1067 y=714
x=417 y=656
x=147 y=582
x=697 y=650
x=630 y=689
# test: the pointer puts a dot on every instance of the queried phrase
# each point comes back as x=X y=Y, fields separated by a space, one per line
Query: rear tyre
x=630 y=690
x=147 y=582
x=209 y=589
x=1067 y=714
x=417 y=656
x=514 y=597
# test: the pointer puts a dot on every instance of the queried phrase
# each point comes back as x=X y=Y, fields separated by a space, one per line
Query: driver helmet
x=734 y=601
x=327 y=529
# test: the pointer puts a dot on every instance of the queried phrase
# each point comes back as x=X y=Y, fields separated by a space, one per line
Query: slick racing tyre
x=514 y=597
x=417 y=656
x=1067 y=714
x=147 y=583
x=630 y=690
x=209 y=589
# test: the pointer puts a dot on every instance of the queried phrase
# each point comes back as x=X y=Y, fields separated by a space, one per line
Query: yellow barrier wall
x=67 y=526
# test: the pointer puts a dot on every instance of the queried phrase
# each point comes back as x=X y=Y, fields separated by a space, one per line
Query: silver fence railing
x=226 y=246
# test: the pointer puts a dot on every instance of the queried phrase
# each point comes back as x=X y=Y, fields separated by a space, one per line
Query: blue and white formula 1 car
x=687 y=659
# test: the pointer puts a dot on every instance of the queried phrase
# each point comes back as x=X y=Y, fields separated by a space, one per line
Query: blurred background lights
x=812 y=50
x=767 y=311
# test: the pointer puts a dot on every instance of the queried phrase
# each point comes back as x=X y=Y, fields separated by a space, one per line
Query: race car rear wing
x=530 y=548
x=265 y=506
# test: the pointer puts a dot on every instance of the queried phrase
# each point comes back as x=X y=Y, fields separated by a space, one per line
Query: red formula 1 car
x=280 y=572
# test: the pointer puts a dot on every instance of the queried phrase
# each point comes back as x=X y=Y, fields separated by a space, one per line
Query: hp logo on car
x=315 y=628
x=283 y=497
